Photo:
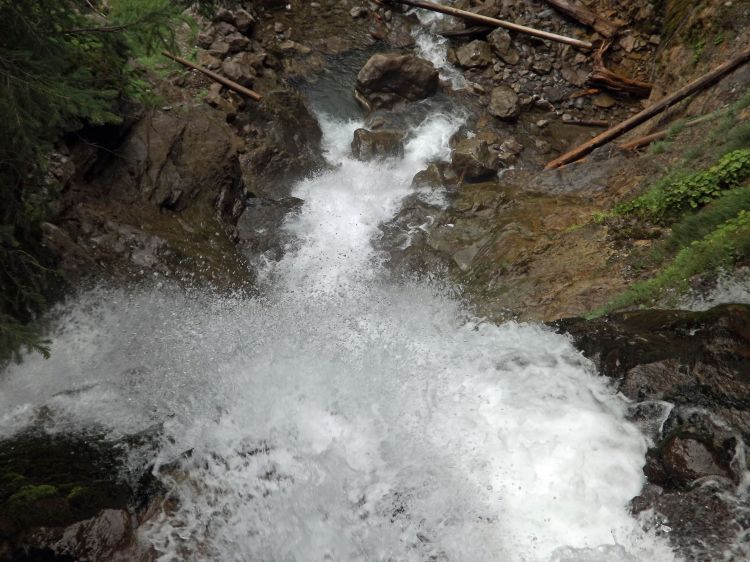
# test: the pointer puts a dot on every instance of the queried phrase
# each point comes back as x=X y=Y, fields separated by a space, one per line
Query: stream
x=343 y=415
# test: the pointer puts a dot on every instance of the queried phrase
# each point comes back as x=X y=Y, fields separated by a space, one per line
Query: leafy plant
x=720 y=248
x=665 y=201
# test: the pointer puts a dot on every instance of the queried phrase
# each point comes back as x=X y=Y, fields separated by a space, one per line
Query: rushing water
x=342 y=416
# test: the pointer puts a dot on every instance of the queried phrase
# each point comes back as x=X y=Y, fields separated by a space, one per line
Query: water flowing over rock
x=687 y=371
x=389 y=78
x=382 y=143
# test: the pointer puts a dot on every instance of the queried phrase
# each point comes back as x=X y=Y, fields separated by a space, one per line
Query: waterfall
x=344 y=416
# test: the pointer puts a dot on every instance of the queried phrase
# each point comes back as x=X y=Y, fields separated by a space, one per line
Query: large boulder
x=388 y=78
x=383 y=143
x=176 y=161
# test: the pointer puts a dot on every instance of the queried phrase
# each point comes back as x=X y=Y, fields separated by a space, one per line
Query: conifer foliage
x=63 y=66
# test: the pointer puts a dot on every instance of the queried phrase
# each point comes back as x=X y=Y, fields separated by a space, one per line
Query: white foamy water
x=342 y=417
x=730 y=288
x=434 y=48
x=345 y=417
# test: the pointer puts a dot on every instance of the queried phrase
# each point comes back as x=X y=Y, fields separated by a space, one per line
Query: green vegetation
x=707 y=210
x=668 y=199
x=64 y=65
x=722 y=247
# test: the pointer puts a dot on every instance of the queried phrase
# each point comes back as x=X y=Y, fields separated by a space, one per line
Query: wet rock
x=696 y=362
x=70 y=495
x=701 y=523
x=688 y=459
x=504 y=103
x=433 y=176
x=358 y=12
x=474 y=54
x=383 y=143
x=389 y=78
x=502 y=44
x=283 y=144
x=472 y=160
x=259 y=231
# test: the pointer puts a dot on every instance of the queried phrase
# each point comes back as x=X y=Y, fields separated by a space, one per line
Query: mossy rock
x=56 y=480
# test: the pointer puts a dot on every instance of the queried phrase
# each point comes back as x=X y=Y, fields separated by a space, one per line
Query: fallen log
x=640 y=142
x=216 y=77
x=474 y=31
x=583 y=15
x=587 y=122
x=486 y=20
x=602 y=77
x=609 y=135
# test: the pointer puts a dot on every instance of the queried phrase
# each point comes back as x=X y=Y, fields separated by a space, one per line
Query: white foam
x=342 y=417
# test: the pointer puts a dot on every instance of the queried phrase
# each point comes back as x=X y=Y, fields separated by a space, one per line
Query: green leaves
x=665 y=202
x=63 y=66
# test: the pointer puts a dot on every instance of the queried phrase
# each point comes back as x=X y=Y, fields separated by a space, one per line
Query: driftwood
x=486 y=20
x=708 y=79
x=587 y=122
x=640 y=142
x=216 y=77
x=602 y=77
x=474 y=31
x=583 y=15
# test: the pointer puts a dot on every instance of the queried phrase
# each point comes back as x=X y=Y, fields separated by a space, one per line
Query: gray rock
x=504 y=103
x=502 y=44
x=388 y=78
x=383 y=143
x=239 y=71
x=243 y=21
x=473 y=160
x=474 y=54
x=236 y=41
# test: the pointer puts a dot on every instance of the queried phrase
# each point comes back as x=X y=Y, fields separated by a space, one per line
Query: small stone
x=358 y=12
x=204 y=58
x=474 y=54
x=604 y=101
x=237 y=42
x=278 y=27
